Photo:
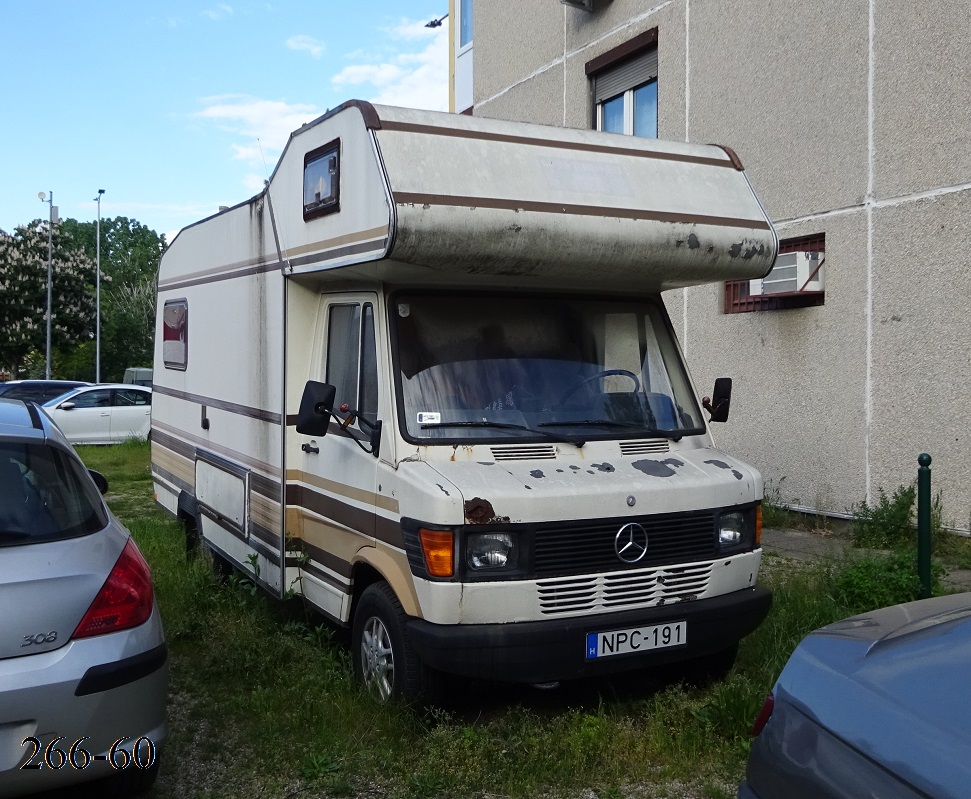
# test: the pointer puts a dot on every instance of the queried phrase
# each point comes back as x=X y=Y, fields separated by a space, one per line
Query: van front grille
x=586 y=547
x=623 y=591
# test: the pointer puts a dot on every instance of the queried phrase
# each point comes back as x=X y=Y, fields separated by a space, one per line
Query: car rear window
x=45 y=495
x=39 y=392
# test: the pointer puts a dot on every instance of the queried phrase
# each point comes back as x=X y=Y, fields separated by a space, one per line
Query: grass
x=263 y=701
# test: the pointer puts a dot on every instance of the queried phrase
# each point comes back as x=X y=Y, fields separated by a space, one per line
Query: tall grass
x=263 y=701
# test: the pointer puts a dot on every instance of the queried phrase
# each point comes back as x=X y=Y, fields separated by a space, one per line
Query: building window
x=625 y=87
x=794 y=282
x=465 y=23
x=175 y=334
x=321 y=181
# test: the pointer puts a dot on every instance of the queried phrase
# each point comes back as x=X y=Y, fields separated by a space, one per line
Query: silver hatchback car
x=83 y=660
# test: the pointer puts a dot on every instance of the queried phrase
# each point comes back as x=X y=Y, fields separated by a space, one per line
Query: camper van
x=425 y=380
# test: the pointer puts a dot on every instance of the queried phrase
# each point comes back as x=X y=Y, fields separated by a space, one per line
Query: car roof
x=80 y=390
x=23 y=421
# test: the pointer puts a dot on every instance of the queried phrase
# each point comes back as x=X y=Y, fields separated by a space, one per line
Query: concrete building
x=853 y=121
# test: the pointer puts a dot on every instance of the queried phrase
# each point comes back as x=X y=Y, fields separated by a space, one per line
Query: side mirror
x=99 y=480
x=316 y=406
x=720 y=401
x=66 y=406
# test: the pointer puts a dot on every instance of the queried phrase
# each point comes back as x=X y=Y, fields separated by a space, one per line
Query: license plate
x=636 y=639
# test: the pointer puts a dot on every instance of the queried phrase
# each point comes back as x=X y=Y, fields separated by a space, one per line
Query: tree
x=23 y=292
x=130 y=254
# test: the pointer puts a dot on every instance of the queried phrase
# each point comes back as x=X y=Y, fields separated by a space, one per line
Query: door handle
x=310 y=449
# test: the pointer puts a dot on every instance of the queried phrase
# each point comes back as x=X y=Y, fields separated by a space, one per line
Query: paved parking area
x=803 y=545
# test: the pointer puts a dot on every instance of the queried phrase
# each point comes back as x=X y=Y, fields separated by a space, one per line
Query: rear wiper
x=509 y=426
x=674 y=435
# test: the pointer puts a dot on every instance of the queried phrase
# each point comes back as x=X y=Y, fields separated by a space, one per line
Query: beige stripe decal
x=226 y=270
x=348 y=492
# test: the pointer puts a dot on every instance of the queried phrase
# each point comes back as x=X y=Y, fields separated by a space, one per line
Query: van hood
x=564 y=488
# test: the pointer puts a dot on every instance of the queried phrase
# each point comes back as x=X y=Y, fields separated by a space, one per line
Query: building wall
x=852 y=120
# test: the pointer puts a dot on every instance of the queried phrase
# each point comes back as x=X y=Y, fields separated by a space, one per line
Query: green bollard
x=924 y=524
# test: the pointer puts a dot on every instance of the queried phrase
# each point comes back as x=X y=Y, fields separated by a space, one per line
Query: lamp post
x=97 y=295
x=50 y=258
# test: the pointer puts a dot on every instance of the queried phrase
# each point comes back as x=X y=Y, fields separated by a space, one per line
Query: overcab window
x=321 y=181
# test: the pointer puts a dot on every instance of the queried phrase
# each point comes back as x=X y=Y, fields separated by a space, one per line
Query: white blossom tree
x=23 y=293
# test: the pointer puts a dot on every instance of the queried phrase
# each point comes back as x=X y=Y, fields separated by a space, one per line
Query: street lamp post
x=50 y=260
x=97 y=296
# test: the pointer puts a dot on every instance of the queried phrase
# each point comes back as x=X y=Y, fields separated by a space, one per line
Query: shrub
x=875 y=582
x=888 y=524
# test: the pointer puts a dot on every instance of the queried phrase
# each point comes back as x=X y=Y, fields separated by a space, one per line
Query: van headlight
x=736 y=530
x=491 y=551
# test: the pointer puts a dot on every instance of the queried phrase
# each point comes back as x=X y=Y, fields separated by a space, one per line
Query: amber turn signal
x=438 y=547
x=758 y=525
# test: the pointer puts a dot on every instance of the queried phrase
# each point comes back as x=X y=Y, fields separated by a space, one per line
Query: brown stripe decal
x=255 y=270
x=172 y=443
x=222 y=405
x=330 y=561
x=365 y=522
x=406 y=198
x=432 y=130
x=264 y=486
x=270 y=542
x=178 y=482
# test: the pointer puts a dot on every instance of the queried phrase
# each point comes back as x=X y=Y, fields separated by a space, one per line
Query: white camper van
x=426 y=381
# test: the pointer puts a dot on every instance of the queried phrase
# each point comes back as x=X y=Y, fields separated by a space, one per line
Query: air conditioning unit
x=586 y=5
x=793 y=271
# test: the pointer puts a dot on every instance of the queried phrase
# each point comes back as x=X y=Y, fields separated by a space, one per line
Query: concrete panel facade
x=922 y=82
x=852 y=120
x=922 y=346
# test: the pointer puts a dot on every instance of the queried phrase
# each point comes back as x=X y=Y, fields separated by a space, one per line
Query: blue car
x=877 y=705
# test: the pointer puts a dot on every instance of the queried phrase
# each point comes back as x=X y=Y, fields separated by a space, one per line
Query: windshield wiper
x=14 y=534
x=674 y=435
x=509 y=426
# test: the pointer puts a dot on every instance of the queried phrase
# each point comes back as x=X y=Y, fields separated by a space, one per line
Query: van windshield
x=505 y=367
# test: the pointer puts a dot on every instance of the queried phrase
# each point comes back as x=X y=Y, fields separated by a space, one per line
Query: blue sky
x=167 y=106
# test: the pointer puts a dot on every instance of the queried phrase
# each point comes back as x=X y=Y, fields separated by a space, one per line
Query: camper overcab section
x=426 y=381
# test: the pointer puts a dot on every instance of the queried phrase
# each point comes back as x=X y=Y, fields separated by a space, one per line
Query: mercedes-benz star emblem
x=630 y=543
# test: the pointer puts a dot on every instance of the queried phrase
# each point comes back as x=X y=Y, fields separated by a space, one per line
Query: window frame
x=182 y=364
x=465 y=18
x=366 y=367
x=621 y=72
x=332 y=204
x=738 y=299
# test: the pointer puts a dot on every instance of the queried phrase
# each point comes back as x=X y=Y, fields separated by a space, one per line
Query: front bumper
x=543 y=651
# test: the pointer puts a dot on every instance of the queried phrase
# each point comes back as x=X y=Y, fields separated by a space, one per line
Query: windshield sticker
x=428 y=417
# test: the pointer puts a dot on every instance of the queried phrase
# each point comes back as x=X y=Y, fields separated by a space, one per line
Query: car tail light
x=762 y=719
x=124 y=601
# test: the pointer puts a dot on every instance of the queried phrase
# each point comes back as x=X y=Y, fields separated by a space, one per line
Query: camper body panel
x=439 y=218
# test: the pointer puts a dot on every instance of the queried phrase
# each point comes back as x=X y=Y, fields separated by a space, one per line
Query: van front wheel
x=384 y=659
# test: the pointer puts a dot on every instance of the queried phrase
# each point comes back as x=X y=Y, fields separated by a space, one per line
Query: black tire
x=384 y=659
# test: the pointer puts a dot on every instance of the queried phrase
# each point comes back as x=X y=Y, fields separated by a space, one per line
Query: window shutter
x=628 y=75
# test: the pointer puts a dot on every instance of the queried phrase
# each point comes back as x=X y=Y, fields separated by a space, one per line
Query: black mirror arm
x=373 y=429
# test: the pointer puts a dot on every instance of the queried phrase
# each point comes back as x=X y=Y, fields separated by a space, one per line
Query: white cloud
x=254 y=182
x=416 y=79
x=265 y=125
x=306 y=43
x=218 y=12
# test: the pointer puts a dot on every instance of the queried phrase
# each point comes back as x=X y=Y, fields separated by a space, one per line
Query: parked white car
x=103 y=413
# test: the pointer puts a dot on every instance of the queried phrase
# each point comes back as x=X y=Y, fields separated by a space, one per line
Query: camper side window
x=175 y=334
x=321 y=181
x=352 y=358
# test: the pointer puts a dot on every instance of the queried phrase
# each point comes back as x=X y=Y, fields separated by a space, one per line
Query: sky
x=175 y=108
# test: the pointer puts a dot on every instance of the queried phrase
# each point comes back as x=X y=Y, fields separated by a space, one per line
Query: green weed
x=889 y=524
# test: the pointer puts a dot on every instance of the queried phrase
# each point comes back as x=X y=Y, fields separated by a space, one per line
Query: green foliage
x=23 y=293
x=877 y=581
x=889 y=523
x=774 y=513
x=130 y=255
x=264 y=702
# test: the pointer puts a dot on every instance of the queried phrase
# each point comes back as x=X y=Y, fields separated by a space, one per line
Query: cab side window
x=351 y=365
